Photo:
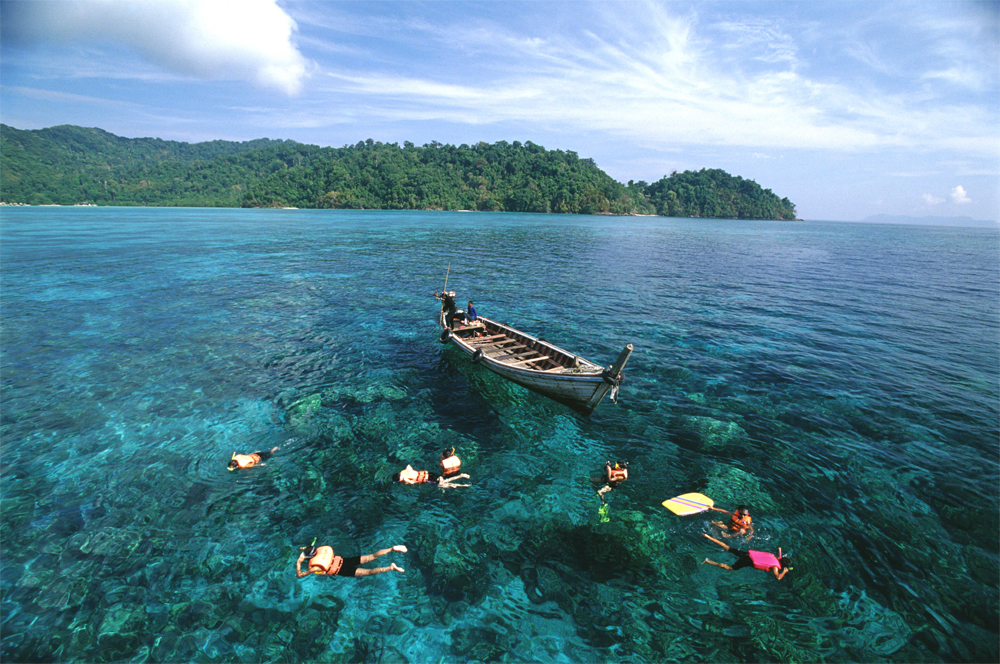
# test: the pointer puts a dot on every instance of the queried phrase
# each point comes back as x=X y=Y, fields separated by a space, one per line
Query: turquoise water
x=840 y=379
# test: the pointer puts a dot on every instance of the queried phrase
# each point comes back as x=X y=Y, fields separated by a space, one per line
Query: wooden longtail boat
x=535 y=363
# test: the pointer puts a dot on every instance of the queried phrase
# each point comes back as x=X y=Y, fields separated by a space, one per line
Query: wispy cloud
x=965 y=77
x=248 y=40
x=761 y=40
x=653 y=76
x=930 y=199
x=68 y=97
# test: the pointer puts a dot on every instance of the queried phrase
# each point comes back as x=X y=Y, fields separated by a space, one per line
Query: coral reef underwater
x=133 y=370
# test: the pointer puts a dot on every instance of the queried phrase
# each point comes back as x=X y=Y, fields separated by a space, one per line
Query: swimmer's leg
x=264 y=456
x=378 y=570
x=378 y=554
x=712 y=562
x=722 y=544
x=448 y=482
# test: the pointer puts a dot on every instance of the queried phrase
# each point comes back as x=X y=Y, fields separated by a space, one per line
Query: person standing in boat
x=322 y=561
x=448 y=306
x=757 y=559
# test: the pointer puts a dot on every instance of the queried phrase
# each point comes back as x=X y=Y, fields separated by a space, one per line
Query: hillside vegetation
x=70 y=165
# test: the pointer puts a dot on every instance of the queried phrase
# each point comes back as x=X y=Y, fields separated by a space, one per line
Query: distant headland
x=69 y=165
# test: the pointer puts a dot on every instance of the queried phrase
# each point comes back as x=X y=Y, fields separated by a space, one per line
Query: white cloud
x=249 y=40
x=966 y=77
x=766 y=41
x=68 y=97
x=959 y=196
x=930 y=199
x=663 y=79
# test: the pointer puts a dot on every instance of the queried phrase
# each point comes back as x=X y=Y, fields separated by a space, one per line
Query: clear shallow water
x=841 y=379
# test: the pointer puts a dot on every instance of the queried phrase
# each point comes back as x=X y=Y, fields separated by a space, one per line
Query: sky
x=848 y=109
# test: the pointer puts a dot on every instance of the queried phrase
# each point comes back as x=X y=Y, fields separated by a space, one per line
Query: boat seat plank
x=492 y=337
x=523 y=359
x=493 y=346
x=528 y=361
x=518 y=346
x=516 y=353
x=541 y=364
x=487 y=344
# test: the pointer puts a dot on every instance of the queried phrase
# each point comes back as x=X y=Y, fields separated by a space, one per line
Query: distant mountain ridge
x=69 y=165
x=929 y=221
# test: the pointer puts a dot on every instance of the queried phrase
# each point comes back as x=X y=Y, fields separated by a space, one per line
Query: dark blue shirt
x=471 y=313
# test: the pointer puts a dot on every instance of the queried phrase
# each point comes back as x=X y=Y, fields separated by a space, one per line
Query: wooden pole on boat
x=619 y=364
x=446 y=279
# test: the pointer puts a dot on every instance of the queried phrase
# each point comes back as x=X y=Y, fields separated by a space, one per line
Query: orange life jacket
x=246 y=460
x=451 y=465
x=324 y=562
x=417 y=477
x=617 y=474
x=737 y=522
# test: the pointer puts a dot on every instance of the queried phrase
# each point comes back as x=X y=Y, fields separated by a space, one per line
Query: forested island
x=68 y=165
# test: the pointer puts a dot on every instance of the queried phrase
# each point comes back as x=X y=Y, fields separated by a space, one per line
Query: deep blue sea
x=842 y=380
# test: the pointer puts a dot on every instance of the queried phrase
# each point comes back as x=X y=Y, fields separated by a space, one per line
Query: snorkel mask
x=786 y=562
x=232 y=463
x=310 y=550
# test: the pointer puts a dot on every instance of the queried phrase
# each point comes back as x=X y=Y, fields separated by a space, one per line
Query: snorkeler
x=757 y=559
x=244 y=461
x=740 y=523
x=410 y=476
x=322 y=561
x=450 y=463
x=613 y=476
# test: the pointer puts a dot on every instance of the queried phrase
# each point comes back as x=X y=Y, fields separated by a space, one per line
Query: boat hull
x=551 y=371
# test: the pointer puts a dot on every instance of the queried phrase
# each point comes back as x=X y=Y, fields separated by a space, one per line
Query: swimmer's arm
x=780 y=575
x=298 y=566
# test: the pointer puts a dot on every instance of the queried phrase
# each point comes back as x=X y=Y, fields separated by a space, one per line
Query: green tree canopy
x=73 y=165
